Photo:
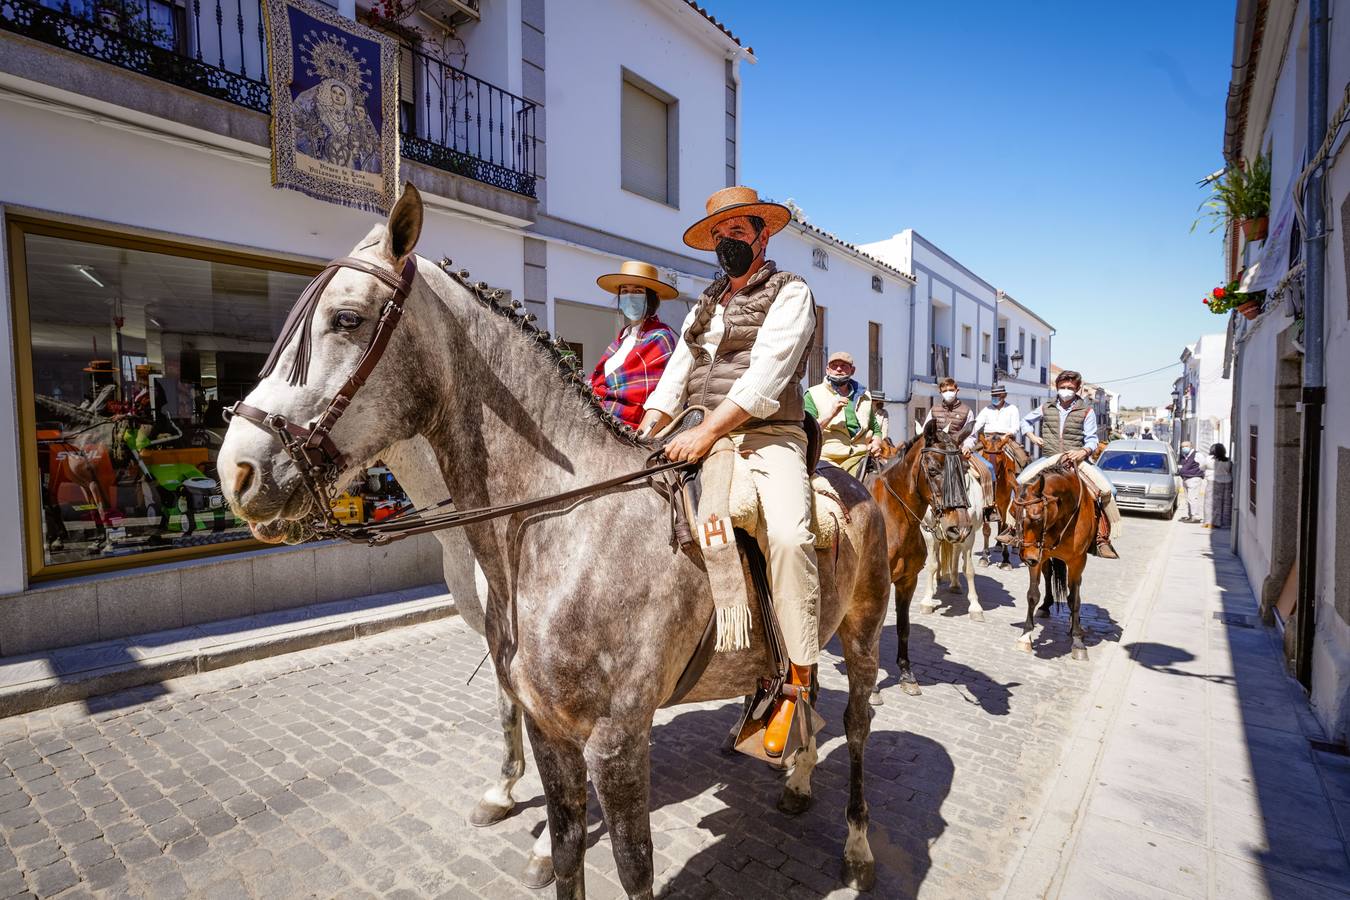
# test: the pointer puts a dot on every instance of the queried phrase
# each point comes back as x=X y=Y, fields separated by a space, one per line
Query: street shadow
x=989 y=593
x=1285 y=785
x=75 y=666
x=907 y=779
x=1050 y=637
x=933 y=664
x=1165 y=658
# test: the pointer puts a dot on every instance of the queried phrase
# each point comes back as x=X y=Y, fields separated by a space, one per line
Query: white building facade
x=1206 y=399
x=148 y=260
x=1291 y=362
x=953 y=328
x=1022 y=345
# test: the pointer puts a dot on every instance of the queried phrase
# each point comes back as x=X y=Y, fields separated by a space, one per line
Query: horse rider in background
x=849 y=424
x=952 y=416
x=1068 y=431
x=1001 y=418
x=632 y=365
x=742 y=354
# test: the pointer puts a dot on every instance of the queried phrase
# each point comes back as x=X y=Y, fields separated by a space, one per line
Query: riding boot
x=776 y=734
x=1103 y=546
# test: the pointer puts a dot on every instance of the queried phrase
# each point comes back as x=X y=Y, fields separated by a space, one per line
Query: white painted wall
x=212 y=191
x=587 y=49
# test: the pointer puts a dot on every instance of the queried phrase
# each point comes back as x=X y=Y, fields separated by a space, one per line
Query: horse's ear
x=965 y=432
x=405 y=224
x=930 y=431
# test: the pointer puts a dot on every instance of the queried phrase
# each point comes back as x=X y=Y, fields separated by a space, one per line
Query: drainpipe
x=1314 y=374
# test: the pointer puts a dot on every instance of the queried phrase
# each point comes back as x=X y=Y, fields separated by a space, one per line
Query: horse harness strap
x=317 y=458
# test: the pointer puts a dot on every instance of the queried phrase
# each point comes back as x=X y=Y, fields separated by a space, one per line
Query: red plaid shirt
x=624 y=391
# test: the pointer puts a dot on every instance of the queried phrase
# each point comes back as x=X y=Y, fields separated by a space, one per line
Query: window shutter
x=643 y=139
x=407 y=75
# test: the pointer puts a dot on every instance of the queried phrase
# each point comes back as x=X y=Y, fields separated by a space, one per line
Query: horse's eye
x=347 y=320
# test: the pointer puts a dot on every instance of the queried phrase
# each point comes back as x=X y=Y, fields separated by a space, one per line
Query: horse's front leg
x=496 y=803
x=904 y=596
x=1079 y=649
x=933 y=563
x=1033 y=597
x=984 y=556
x=562 y=769
x=972 y=595
x=619 y=757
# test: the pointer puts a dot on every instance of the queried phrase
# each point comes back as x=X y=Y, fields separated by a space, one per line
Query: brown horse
x=912 y=483
x=1059 y=522
x=995 y=449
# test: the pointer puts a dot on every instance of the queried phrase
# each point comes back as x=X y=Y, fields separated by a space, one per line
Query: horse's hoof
x=793 y=803
x=927 y=608
x=983 y=563
x=911 y=688
x=875 y=698
x=1024 y=644
x=1079 y=653
x=860 y=875
x=538 y=872
x=1005 y=566
x=977 y=615
x=1043 y=613
x=485 y=814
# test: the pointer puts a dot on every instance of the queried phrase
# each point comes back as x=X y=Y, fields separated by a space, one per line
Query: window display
x=134 y=354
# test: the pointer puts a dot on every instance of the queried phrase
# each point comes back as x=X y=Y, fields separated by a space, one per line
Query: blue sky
x=1052 y=147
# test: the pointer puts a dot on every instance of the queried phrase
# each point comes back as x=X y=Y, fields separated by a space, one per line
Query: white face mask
x=948 y=396
x=1066 y=394
x=633 y=306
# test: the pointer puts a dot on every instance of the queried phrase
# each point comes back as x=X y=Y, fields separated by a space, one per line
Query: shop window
x=130 y=351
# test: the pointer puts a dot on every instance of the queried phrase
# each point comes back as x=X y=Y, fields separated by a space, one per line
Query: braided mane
x=567 y=366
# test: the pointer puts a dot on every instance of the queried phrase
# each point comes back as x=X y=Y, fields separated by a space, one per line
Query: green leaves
x=1242 y=192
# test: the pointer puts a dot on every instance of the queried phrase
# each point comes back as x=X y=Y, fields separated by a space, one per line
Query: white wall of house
x=1023 y=328
x=845 y=291
x=1209 y=400
x=671 y=48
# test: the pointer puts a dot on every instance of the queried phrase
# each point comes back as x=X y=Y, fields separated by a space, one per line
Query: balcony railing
x=448 y=118
x=941 y=360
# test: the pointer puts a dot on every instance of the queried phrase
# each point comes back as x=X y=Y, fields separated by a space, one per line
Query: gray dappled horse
x=590 y=616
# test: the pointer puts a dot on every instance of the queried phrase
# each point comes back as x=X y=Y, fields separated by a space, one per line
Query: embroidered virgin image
x=334 y=100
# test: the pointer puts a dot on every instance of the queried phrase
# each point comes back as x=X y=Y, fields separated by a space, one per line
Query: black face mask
x=735 y=257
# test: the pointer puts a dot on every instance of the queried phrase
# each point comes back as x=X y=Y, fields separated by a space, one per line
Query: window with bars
x=647 y=145
x=874 y=356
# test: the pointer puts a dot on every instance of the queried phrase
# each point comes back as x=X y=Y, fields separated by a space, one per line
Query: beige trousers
x=777 y=458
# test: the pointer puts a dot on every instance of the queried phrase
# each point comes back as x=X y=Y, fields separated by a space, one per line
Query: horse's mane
x=901 y=454
x=566 y=366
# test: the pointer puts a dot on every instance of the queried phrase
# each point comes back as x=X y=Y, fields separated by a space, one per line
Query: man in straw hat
x=848 y=421
x=631 y=366
x=743 y=355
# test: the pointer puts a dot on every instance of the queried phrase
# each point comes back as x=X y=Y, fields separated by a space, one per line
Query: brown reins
x=1022 y=503
x=318 y=459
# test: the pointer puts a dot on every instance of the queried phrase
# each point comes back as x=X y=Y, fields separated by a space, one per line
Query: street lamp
x=1015 y=360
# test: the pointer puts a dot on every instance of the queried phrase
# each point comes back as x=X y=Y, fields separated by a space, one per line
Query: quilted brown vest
x=711 y=378
x=951 y=419
x=1075 y=416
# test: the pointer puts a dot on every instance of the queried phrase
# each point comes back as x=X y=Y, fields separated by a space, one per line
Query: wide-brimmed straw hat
x=729 y=203
x=640 y=274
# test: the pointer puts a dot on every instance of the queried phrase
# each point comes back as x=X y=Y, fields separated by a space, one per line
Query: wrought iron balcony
x=448 y=118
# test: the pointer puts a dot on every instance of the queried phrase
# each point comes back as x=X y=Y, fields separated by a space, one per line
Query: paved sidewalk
x=1199 y=780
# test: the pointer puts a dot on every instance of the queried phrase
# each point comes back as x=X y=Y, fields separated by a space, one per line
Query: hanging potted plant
x=1223 y=300
x=1241 y=196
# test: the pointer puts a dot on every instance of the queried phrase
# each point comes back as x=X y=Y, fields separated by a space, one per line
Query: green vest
x=823 y=394
x=1075 y=415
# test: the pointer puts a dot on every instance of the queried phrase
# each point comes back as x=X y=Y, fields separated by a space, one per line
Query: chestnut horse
x=995 y=449
x=1059 y=522
x=914 y=481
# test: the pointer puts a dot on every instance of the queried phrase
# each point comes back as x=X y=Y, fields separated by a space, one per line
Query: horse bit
x=317 y=458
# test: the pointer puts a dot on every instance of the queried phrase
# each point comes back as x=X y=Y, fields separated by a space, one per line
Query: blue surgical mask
x=633 y=306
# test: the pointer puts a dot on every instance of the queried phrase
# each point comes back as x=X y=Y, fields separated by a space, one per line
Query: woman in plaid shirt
x=632 y=365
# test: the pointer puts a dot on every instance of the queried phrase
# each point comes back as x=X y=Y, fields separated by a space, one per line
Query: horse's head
x=942 y=482
x=321 y=347
x=1040 y=510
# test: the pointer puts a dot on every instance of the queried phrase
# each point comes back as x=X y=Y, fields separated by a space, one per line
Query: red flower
x=1207 y=301
x=1218 y=292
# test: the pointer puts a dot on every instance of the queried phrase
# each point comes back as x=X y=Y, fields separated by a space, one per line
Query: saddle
x=715 y=519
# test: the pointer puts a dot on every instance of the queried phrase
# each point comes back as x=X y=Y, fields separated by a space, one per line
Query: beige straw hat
x=641 y=274
x=729 y=203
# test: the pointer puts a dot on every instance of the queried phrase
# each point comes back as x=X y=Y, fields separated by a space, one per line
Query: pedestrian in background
x=1218 y=488
x=1192 y=474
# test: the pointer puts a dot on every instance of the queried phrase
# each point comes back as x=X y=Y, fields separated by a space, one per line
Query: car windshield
x=1133 y=461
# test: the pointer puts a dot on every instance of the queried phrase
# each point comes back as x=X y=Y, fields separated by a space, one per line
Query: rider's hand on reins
x=692 y=445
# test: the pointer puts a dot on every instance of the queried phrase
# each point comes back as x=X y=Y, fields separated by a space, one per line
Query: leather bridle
x=1022 y=503
x=318 y=460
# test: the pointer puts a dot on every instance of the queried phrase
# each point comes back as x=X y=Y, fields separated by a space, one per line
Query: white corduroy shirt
x=781 y=340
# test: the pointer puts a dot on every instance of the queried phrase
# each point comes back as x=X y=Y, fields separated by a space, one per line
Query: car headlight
x=1159 y=490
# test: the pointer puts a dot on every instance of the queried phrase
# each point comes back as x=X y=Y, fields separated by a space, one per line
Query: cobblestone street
x=349 y=770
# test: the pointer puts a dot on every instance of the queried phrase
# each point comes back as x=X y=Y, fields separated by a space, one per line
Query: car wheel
x=1172 y=513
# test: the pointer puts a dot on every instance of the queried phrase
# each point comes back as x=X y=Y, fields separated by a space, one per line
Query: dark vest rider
x=1068 y=429
x=742 y=354
x=952 y=416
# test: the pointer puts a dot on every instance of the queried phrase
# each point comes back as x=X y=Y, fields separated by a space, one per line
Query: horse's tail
x=1059 y=581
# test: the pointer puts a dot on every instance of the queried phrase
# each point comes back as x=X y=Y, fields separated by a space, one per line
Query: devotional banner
x=334 y=106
